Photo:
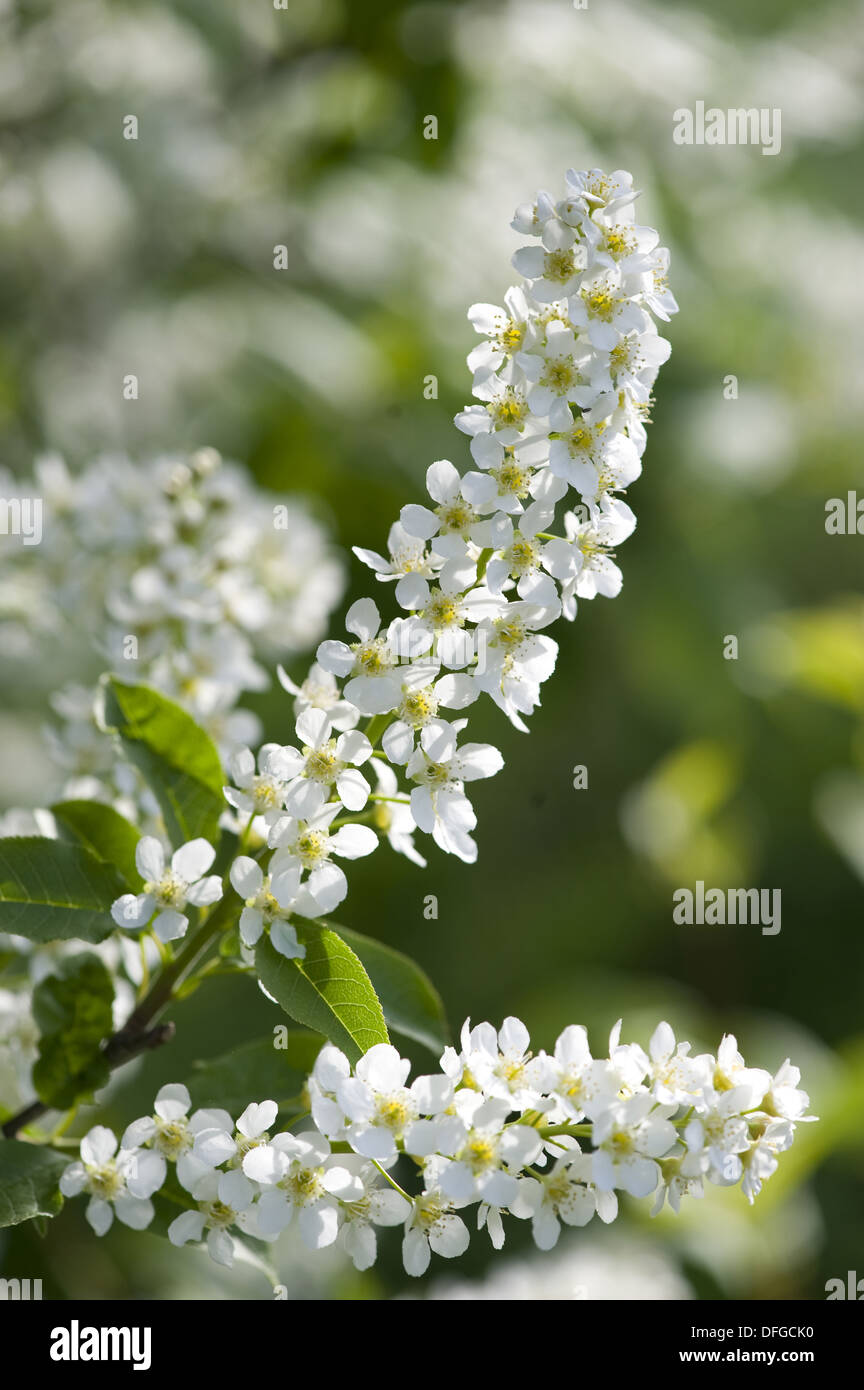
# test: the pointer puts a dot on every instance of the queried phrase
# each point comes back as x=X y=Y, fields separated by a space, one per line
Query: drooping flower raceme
x=562 y=381
x=484 y=1131
x=479 y=571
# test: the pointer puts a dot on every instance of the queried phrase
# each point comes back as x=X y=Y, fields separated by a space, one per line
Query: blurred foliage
x=304 y=127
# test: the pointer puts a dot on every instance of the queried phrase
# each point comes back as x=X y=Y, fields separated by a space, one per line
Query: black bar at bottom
x=54 y=1338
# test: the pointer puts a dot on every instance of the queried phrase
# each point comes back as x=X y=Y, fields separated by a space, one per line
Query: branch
x=140 y=1033
x=122 y=1047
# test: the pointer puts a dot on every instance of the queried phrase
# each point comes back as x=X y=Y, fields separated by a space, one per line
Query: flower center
x=580 y=440
x=560 y=375
x=428 y=1212
x=171 y=891
x=217 y=1213
x=373 y=657
x=599 y=186
x=418 y=707
x=393 y=1112
x=479 y=1154
x=619 y=241
x=558 y=1189
x=322 y=764
x=455 y=516
x=571 y=1084
x=559 y=266
x=619 y=357
x=442 y=610
x=266 y=903
x=509 y=633
x=590 y=546
x=521 y=557
x=266 y=794
x=508 y=412
x=104 y=1181
x=512 y=479
x=410 y=559
x=244 y=1144
x=435 y=774
x=600 y=302
x=511 y=336
x=318 y=696
x=171 y=1137
x=312 y=847
x=622 y=1141
x=304 y=1185
x=511 y=1071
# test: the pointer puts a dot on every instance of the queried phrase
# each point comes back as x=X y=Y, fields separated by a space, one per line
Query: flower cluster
x=548 y=1138
x=563 y=378
x=184 y=573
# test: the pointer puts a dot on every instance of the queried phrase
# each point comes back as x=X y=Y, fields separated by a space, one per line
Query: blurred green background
x=304 y=127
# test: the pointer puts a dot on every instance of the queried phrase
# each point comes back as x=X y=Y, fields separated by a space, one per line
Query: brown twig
x=140 y=1033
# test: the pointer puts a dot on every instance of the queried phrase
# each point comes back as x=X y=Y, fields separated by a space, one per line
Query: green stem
x=392 y=1181
x=65 y=1123
x=365 y=818
x=485 y=557
x=549 y=1131
x=244 y=834
x=376 y=726
x=161 y=992
x=213 y=968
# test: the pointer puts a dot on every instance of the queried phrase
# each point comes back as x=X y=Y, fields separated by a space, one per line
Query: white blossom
x=325 y=764
x=104 y=1177
x=168 y=888
x=223 y=1200
x=168 y=1135
x=261 y=908
x=308 y=845
x=494 y=1128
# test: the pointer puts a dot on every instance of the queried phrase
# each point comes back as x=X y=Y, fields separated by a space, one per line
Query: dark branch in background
x=120 y=1048
x=140 y=1033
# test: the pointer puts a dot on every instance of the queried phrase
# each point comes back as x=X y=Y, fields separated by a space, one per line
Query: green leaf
x=328 y=991
x=29 y=1174
x=73 y=1012
x=256 y=1071
x=411 y=1003
x=105 y=832
x=50 y=891
x=177 y=758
